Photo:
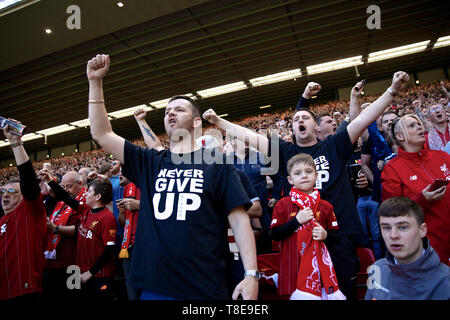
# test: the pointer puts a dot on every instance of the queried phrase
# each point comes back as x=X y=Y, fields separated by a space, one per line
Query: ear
x=290 y=180
x=98 y=197
x=197 y=122
x=423 y=230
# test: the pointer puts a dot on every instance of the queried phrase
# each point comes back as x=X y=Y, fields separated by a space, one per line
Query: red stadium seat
x=366 y=258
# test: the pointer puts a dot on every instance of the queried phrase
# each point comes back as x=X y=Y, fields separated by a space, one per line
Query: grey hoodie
x=424 y=279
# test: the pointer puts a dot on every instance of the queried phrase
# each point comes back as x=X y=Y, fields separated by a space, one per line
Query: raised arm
x=29 y=185
x=371 y=113
x=257 y=141
x=151 y=140
x=355 y=107
x=444 y=90
x=311 y=89
x=101 y=129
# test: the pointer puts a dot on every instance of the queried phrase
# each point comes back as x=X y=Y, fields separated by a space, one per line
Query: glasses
x=9 y=191
x=436 y=109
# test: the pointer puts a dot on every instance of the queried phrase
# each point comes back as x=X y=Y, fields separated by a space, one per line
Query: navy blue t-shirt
x=179 y=248
x=330 y=157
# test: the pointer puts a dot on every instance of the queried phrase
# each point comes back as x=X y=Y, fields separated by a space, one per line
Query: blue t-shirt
x=330 y=157
x=181 y=236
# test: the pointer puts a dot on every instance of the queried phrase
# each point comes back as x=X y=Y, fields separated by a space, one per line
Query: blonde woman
x=412 y=174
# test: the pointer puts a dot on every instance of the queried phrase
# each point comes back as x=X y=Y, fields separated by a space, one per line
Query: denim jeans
x=367 y=209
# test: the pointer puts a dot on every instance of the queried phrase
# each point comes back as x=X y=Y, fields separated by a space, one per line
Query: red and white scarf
x=434 y=139
x=316 y=269
x=50 y=253
x=130 y=191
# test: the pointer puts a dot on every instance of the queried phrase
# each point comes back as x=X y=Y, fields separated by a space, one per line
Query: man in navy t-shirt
x=180 y=242
x=330 y=157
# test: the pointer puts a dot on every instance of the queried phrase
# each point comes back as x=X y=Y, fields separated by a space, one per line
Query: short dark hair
x=300 y=158
x=104 y=188
x=322 y=115
x=386 y=113
x=399 y=207
x=194 y=106
x=307 y=110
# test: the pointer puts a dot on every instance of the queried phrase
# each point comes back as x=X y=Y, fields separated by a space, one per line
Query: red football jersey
x=22 y=244
x=95 y=232
x=284 y=211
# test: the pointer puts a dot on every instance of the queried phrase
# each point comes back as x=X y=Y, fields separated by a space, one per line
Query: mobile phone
x=363 y=83
x=438 y=183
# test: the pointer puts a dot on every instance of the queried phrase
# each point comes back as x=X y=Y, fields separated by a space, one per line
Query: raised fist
x=140 y=114
x=210 y=116
x=311 y=89
x=399 y=81
x=97 y=67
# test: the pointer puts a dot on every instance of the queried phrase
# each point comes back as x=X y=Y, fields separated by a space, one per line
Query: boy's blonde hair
x=300 y=158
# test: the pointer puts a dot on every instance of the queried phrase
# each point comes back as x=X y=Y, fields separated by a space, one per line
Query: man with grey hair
x=83 y=172
x=439 y=135
x=60 y=251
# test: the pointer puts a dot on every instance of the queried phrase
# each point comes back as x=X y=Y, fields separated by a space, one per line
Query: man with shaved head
x=60 y=251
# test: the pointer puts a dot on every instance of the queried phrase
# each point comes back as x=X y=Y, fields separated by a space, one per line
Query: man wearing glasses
x=23 y=230
x=439 y=135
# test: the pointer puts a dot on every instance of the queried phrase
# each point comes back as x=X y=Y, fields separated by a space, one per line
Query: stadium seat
x=366 y=258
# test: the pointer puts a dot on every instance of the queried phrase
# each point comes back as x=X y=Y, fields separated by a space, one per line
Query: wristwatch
x=56 y=231
x=391 y=92
x=253 y=273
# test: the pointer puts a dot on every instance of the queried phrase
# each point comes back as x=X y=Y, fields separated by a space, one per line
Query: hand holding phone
x=438 y=183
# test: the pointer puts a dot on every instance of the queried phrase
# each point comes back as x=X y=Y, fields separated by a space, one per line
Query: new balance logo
x=413 y=178
x=3 y=229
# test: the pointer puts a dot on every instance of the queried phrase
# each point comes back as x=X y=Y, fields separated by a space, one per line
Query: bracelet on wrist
x=96 y=101
x=391 y=91
x=16 y=144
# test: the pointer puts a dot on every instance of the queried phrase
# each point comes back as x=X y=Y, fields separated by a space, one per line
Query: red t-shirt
x=95 y=232
x=22 y=244
x=67 y=246
x=284 y=211
x=133 y=192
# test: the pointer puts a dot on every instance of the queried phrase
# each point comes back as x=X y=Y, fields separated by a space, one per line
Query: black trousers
x=346 y=265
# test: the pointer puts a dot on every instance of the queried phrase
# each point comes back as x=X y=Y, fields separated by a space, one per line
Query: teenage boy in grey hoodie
x=412 y=269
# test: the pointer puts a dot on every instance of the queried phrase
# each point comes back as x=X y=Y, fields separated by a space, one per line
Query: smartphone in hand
x=438 y=183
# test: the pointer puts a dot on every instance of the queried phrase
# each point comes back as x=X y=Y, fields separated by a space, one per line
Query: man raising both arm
x=331 y=156
x=181 y=232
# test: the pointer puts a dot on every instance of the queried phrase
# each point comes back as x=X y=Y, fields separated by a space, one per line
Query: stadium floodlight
x=163 y=103
x=160 y=103
x=8 y=3
x=334 y=65
x=276 y=77
x=31 y=136
x=265 y=107
x=398 y=51
x=4 y=143
x=227 y=88
x=223 y=115
x=81 y=123
x=127 y=112
x=56 y=130
x=442 y=42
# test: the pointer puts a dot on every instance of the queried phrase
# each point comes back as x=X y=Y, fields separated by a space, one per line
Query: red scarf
x=130 y=192
x=316 y=269
x=50 y=253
